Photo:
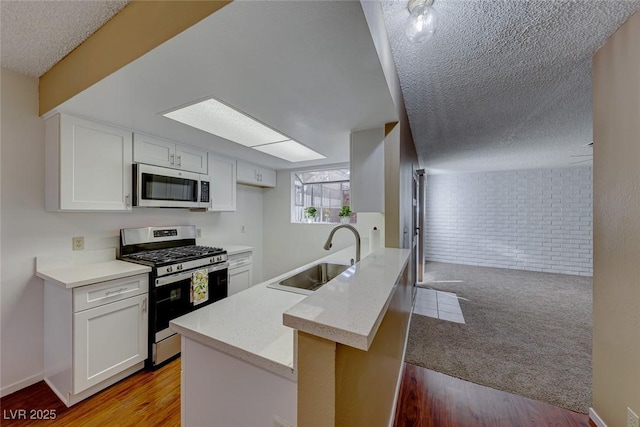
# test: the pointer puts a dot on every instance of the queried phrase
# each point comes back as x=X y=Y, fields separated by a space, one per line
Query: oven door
x=165 y=188
x=173 y=294
x=171 y=299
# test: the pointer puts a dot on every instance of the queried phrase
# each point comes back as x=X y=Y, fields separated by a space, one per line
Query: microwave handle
x=161 y=281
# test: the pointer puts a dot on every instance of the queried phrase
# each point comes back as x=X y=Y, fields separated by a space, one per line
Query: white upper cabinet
x=367 y=170
x=256 y=175
x=161 y=152
x=88 y=165
x=191 y=159
x=153 y=151
x=222 y=181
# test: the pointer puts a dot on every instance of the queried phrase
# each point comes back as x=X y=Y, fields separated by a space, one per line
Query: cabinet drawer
x=106 y=292
x=239 y=260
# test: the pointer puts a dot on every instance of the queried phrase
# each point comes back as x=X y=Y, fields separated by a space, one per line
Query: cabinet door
x=267 y=177
x=95 y=166
x=222 y=177
x=247 y=173
x=108 y=339
x=153 y=151
x=255 y=175
x=191 y=159
x=240 y=279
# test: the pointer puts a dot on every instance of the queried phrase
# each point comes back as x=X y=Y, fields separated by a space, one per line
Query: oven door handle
x=161 y=281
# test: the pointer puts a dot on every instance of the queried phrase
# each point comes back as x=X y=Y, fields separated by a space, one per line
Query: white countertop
x=236 y=249
x=350 y=308
x=249 y=325
x=85 y=268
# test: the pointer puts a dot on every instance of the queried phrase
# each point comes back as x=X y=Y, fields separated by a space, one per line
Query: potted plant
x=310 y=213
x=345 y=214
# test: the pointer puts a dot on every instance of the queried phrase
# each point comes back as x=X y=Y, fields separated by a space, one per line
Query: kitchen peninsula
x=282 y=353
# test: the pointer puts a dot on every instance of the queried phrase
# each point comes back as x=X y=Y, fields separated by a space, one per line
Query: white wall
x=539 y=220
x=28 y=231
x=288 y=245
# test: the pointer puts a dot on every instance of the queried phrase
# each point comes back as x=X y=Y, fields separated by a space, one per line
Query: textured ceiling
x=503 y=84
x=35 y=35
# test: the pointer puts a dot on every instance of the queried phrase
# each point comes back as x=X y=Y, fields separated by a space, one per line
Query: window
x=319 y=196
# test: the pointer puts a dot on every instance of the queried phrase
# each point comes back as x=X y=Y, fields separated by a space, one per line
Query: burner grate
x=174 y=254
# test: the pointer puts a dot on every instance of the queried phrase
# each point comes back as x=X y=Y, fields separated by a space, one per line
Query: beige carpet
x=526 y=333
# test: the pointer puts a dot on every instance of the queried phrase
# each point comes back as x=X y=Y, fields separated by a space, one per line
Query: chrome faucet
x=328 y=244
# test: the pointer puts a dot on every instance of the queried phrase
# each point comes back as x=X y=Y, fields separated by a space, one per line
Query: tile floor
x=437 y=304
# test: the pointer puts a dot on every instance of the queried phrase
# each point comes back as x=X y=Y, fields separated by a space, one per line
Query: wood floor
x=432 y=399
x=144 y=399
x=427 y=399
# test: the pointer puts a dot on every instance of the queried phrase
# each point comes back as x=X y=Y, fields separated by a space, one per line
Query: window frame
x=298 y=195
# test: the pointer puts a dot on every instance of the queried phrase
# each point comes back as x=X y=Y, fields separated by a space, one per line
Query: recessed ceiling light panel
x=290 y=150
x=219 y=119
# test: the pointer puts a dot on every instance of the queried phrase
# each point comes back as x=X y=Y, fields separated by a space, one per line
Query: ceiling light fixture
x=421 y=24
x=220 y=119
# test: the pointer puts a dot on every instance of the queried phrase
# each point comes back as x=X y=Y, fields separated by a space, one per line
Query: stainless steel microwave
x=158 y=187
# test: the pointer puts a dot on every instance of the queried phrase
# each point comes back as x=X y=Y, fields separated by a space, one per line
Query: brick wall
x=539 y=220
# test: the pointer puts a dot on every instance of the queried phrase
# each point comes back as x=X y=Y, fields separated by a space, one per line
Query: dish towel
x=199 y=286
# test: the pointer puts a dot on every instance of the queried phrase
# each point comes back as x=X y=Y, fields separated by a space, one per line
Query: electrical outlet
x=632 y=419
x=279 y=422
x=198 y=232
x=242 y=228
x=77 y=243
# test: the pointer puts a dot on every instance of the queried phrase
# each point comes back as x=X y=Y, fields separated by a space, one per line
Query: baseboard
x=396 y=395
x=12 y=388
x=593 y=416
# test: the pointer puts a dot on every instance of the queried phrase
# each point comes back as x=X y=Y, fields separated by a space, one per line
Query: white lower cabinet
x=109 y=339
x=95 y=335
x=240 y=272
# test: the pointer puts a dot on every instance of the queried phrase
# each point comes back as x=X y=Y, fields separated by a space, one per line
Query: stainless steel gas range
x=184 y=277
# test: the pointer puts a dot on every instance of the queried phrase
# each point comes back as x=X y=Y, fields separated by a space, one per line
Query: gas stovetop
x=168 y=250
x=175 y=255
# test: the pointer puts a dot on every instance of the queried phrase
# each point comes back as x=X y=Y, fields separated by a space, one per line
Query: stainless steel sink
x=309 y=280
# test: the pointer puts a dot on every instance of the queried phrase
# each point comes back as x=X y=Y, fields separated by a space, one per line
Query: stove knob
x=169 y=269
x=213 y=260
x=179 y=267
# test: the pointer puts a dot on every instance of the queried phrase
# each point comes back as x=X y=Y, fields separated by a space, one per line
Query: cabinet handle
x=171 y=158
x=179 y=160
x=144 y=305
x=127 y=200
x=117 y=291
